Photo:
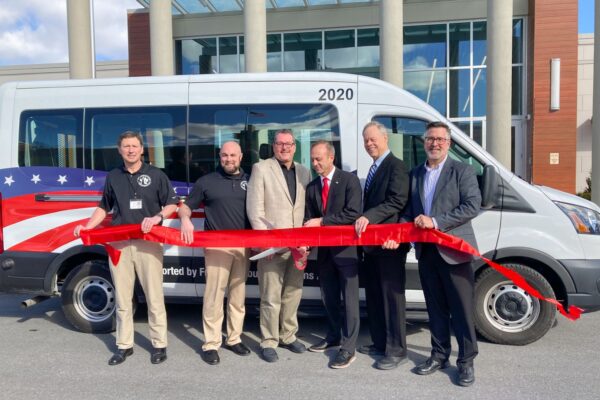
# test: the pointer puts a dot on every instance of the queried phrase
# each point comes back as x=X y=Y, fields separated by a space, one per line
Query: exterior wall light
x=555 y=84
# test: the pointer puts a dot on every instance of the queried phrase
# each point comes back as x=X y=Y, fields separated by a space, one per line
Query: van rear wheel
x=88 y=298
x=506 y=314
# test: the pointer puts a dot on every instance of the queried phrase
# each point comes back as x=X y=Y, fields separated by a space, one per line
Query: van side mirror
x=488 y=185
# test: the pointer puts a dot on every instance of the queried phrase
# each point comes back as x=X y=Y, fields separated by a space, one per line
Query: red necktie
x=325 y=193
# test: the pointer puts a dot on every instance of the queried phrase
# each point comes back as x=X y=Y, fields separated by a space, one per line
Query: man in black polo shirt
x=224 y=196
x=137 y=193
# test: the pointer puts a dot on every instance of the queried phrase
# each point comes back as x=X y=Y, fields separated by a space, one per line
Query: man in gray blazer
x=276 y=198
x=444 y=195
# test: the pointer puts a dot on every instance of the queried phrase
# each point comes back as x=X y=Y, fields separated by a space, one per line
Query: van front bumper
x=586 y=276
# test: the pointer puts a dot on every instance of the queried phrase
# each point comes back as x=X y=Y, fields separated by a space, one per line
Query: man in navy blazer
x=385 y=195
x=334 y=198
x=444 y=195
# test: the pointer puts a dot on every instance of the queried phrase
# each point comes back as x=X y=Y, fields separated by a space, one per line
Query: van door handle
x=75 y=198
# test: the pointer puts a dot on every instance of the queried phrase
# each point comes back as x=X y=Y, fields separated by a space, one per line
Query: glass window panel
x=225 y=5
x=464 y=126
x=429 y=86
x=425 y=46
x=193 y=6
x=51 y=138
x=162 y=128
x=303 y=51
x=289 y=3
x=517 y=44
x=340 y=49
x=517 y=91
x=274 y=52
x=321 y=2
x=460 y=84
x=368 y=47
x=209 y=128
x=459 y=44
x=479 y=43
x=479 y=91
x=478 y=132
x=254 y=127
x=405 y=138
x=228 y=57
x=198 y=56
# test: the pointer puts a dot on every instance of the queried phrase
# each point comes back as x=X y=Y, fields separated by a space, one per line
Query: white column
x=499 y=78
x=391 y=21
x=596 y=110
x=161 y=38
x=255 y=36
x=80 y=39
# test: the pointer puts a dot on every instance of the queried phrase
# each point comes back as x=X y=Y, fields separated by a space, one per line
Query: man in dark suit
x=445 y=196
x=385 y=195
x=334 y=198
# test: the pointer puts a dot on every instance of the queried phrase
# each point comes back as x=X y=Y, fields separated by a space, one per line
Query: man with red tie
x=334 y=198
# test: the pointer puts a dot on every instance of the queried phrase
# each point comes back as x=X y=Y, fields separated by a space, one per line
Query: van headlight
x=585 y=220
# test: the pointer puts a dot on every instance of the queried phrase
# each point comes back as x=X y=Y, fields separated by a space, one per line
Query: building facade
x=445 y=53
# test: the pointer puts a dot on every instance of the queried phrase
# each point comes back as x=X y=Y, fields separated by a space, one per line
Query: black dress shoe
x=120 y=356
x=240 y=349
x=466 y=375
x=390 y=362
x=211 y=357
x=294 y=347
x=430 y=366
x=158 y=355
x=343 y=359
x=371 y=350
x=269 y=354
x=322 y=346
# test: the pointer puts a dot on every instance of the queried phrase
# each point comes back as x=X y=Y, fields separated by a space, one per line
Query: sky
x=35 y=31
x=586 y=16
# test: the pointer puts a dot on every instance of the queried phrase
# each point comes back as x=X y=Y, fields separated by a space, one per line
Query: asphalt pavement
x=42 y=357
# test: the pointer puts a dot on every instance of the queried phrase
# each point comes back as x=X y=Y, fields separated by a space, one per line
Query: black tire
x=505 y=314
x=88 y=299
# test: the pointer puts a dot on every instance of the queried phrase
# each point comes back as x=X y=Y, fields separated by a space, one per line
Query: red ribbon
x=375 y=235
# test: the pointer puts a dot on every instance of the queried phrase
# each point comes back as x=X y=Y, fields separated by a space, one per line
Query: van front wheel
x=506 y=314
x=88 y=298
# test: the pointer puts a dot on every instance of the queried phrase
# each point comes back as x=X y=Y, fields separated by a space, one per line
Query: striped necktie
x=370 y=176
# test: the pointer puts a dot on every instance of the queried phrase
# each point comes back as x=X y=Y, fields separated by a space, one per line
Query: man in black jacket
x=334 y=198
x=385 y=195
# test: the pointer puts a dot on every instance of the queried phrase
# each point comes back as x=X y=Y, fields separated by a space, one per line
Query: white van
x=58 y=142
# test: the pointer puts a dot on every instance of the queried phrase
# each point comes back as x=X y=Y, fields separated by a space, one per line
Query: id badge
x=135 y=204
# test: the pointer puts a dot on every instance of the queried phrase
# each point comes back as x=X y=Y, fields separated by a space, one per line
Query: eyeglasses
x=284 y=144
x=431 y=140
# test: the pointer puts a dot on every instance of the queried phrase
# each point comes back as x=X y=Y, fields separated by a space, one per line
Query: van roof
x=240 y=77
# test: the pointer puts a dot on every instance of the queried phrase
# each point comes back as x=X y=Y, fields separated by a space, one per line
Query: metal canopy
x=219 y=6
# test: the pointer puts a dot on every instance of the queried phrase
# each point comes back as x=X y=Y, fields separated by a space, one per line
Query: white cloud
x=35 y=31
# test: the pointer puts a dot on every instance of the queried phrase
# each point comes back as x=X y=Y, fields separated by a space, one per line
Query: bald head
x=231 y=157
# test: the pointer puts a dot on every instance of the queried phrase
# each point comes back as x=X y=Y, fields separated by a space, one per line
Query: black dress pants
x=385 y=281
x=337 y=282
x=449 y=294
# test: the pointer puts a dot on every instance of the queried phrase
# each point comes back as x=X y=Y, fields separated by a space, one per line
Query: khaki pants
x=280 y=284
x=226 y=270
x=146 y=260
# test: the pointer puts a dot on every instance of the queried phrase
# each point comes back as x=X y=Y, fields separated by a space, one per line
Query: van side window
x=162 y=128
x=51 y=138
x=406 y=142
x=254 y=127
